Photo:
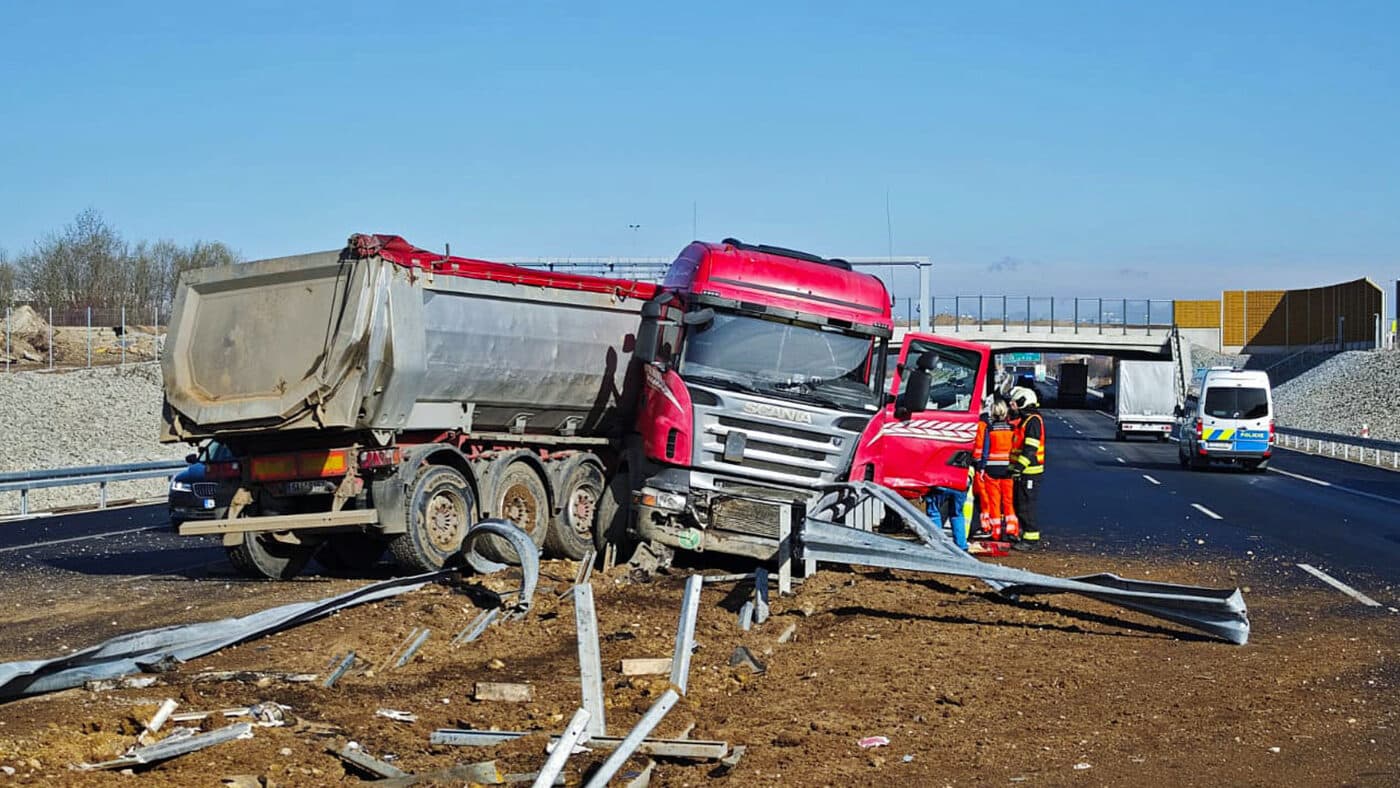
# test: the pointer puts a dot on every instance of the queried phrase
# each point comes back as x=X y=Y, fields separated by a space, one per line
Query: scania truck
x=385 y=397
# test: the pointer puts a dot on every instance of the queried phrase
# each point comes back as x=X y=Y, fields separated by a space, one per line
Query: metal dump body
x=385 y=336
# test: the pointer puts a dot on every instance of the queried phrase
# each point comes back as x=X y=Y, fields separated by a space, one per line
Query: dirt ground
x=968 y=688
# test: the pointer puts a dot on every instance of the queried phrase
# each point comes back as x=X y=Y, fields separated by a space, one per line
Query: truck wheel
x=1119 y=436
x=519 y=497
x=570 y=533
x=614 y=519
x=350 y=552
x=440 y=510
x=260 y=555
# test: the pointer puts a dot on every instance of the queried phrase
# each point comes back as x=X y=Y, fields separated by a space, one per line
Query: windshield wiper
x=724 y=383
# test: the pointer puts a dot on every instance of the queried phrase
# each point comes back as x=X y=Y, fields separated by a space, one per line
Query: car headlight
x=179 y=486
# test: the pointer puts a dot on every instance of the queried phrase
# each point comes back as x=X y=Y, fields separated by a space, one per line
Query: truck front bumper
x=699 y=512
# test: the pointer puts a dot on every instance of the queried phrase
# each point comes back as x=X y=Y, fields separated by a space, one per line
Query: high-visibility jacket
x=997 y=444
x=1029 y=448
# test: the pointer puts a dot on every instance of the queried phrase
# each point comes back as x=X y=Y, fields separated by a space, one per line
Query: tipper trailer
x=389 y=396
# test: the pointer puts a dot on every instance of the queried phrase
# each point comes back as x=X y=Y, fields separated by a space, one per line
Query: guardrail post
x=1100 y=316
x=980 y=319
x=957 y=313
x=1052 y=314
x=1076 y=315
x=24 y=502
x=102 y=495
x=50 y=337
x=1125 y=317
x=926 y=315
x=89 y=337
x=122 y=339
x=1028 y=314
x=1003 y=314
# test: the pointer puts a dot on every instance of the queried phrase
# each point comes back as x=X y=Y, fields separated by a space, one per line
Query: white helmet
x=1023 y=397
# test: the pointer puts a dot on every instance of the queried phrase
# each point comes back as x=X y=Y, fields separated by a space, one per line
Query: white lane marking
x=1106 y=415
x=1339 y=585
x=1207 y=512
x=1120 y=459
x=1102 y=449
x=83 y=538
x=1338 y=488
x=1150 y=479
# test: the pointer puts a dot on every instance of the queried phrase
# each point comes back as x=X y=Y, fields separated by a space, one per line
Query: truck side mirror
x=1178 y=411
x=648 y=332
x=191 y=459
x=699 y=317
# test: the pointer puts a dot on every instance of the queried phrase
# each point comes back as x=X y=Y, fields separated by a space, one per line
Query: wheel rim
x=519 y=506
x=446 y=519
x=583 y=504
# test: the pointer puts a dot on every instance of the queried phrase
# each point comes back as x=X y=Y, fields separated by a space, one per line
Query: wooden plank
x=647 y=666
x=504 y=691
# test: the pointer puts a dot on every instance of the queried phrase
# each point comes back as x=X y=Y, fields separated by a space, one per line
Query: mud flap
x=1218 y=612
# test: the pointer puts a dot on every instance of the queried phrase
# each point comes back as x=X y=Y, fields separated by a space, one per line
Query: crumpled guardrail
x=1219 y=612
x=130 y=653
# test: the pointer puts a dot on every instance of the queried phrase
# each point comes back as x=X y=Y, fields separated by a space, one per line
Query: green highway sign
x=1020 y=358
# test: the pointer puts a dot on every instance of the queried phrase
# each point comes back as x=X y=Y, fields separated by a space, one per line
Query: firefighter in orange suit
x=1027 y=459
x=995 y=488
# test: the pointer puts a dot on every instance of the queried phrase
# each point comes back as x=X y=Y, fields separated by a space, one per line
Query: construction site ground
x=968 y=688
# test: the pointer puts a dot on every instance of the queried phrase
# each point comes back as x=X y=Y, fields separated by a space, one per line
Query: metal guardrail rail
x=1370 y=451
x=24 y=481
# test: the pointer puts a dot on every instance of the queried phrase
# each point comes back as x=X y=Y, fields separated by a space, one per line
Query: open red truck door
x=912 y=447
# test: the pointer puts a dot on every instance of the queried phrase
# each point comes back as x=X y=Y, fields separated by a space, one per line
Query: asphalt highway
x=1133 y=497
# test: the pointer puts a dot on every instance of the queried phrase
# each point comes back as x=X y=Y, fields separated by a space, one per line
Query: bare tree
x=84 y=263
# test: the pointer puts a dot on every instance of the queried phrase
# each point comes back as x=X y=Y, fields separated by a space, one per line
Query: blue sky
x=1114 y=149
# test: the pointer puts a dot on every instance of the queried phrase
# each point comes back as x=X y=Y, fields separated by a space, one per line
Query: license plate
x=300 y=488
x=208 y=503
x=1219 y=446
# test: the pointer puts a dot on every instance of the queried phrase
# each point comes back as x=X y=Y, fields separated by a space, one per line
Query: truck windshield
x=806 y=363
x=1237 y=403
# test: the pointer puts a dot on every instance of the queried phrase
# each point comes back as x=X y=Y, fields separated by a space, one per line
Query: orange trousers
x=996 y=497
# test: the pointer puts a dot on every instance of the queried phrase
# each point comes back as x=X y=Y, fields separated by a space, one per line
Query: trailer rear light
x=222 y=470
x=1272 y=437
x=1200 y=429
x=304 y=465
x=380 y=458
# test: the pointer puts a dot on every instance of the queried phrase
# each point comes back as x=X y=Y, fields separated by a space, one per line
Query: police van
x=1228 y=417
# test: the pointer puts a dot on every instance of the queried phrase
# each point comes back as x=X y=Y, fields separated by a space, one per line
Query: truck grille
x=775 y=449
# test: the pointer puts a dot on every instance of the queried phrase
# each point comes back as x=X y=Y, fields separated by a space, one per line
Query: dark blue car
x=195 y=497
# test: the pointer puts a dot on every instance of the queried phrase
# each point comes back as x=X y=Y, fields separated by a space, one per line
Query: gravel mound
x=1339 y=395
x=96 y=416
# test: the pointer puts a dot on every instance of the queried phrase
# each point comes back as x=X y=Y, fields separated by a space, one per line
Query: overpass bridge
x=1119 y=341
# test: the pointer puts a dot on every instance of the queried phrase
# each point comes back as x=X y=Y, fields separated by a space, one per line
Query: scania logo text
x=777 y=412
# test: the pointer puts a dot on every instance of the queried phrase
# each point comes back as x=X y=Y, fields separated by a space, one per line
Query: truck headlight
x=179 y=486
x=667 y=501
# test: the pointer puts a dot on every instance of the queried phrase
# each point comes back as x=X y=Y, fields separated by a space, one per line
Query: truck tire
x=570 y=533
x=440 y=509
x=518 y=496
x=614 y=519
x=350 y=552
x=1120 y=436
x=259 y=555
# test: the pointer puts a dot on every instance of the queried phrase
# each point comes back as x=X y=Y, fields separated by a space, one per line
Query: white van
x=1228 y=417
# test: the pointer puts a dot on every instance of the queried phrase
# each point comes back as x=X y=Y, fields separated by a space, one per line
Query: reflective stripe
x=1033 y=470
x=1032 y=442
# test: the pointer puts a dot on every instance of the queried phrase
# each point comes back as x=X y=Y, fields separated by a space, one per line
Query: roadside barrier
x=1368 y=451
x=24 y=481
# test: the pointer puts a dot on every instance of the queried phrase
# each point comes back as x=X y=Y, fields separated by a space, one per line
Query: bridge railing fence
x=1045 y=314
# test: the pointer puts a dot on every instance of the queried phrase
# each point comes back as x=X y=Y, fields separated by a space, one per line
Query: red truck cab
x=765 y=377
